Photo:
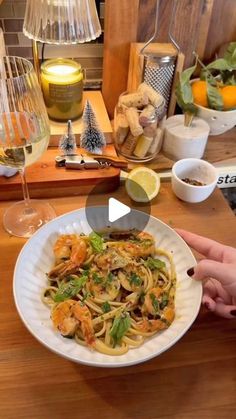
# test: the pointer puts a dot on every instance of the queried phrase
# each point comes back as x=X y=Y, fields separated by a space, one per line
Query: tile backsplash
x=90 y=55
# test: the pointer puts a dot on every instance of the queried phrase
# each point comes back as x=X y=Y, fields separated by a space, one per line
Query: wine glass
x=24 y=136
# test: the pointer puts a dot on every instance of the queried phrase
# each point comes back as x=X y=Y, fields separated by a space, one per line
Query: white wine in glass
x=24 y=136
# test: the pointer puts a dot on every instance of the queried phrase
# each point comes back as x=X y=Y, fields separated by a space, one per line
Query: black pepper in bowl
x=193 y=182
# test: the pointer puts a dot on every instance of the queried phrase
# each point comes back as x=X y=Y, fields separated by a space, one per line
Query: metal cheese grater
x=158 y=70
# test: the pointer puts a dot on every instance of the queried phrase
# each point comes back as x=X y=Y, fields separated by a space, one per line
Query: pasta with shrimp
x=110 y=291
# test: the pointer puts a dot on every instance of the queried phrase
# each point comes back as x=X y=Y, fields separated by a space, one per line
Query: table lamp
x=61 y=22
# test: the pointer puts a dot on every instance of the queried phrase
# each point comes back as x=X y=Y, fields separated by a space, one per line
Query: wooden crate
x=136 y=67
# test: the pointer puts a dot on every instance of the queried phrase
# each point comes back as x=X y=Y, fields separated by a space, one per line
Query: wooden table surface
x=194 y=379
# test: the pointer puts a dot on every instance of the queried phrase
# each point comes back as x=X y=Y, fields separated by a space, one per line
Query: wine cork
x=150 y=130
x=133 y=120
x=134 y=100
x=146 y=115
x=157 y=142
x=121 y=127
x=142 y=147
x=129 y=145
x=155 y=98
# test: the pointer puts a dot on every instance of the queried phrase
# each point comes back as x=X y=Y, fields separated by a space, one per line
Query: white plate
x=36 y=258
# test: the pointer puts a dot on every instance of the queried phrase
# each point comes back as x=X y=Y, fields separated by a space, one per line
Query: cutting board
x=45 y=180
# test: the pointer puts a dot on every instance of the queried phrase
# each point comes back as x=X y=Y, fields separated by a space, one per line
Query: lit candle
x=62 y=85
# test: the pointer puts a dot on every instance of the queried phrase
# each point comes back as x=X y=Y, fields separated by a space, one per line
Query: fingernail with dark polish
x=233 y=313
x=190 y=272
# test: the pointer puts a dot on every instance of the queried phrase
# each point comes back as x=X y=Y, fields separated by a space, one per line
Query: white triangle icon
x=117 y=210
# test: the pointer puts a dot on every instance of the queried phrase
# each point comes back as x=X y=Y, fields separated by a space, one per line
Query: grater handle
x=156 y=27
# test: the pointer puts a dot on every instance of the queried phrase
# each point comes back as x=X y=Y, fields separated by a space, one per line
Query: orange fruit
x=229 y=97
x=199 y=91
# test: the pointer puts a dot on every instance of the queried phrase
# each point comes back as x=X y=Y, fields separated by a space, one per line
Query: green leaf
x=215 y=99
x=221 y=64
x=230 y=54
x=153 y=264
x=184 y=91
x=96 y=242
x=70 y=288
x=135 y=279
x=106 y=307
x=119 y=327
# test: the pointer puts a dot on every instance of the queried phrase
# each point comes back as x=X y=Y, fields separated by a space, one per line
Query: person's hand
x=218 y=272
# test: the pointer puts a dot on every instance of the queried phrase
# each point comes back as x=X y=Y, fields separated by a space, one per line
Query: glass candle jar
x=138 y=136
x=62 y=86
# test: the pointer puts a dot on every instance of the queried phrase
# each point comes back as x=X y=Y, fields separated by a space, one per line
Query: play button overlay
x=115 y=209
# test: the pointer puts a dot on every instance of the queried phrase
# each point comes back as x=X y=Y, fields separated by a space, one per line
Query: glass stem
x=24 y=186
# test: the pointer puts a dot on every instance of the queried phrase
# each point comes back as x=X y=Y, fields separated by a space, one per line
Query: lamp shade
x=61 y=21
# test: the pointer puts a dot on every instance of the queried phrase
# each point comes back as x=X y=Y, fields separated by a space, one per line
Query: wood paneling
x=222 y=26
x=120 y=29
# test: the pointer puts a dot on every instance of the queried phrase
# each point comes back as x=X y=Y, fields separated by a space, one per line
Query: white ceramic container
x=183 y=142
x=195 y=169
x=218 y=121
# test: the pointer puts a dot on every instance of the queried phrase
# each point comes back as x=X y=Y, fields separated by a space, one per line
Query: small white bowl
x=195 y=169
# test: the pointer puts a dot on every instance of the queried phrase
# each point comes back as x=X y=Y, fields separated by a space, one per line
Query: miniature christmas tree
x=67 y=142
x=92 y=138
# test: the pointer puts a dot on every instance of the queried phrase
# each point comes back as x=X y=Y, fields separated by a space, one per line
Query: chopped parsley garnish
x=97 y=279
x=155 y=302
x=70 y=288
x=119 y=327
x=110 y=277
x=106 y=307
x=96 y=242
x=153 y=264
x=142 y=297
x=135 y=279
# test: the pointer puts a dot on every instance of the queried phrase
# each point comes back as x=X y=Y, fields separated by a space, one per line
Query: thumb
x=225 y=273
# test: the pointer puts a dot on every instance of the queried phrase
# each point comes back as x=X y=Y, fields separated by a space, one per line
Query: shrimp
x=70 y=247
x=82 y=313
x=69 y=315
x=154 y=325
x=151 y=301
x=62 y=318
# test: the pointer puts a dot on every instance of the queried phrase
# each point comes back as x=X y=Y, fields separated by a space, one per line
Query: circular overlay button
x=118 y=211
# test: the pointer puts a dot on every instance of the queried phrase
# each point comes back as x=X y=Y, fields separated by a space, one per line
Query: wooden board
x=45 y=180
x=192 y=380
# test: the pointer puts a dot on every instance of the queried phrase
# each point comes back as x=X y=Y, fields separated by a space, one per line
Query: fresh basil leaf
x=155 y=302
x=106 y=307
x=70 y=289
x=119 y=327
x=183 y=91
x=135 y=279
x=153 y=264
x=96 y=242
x=215 y=99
